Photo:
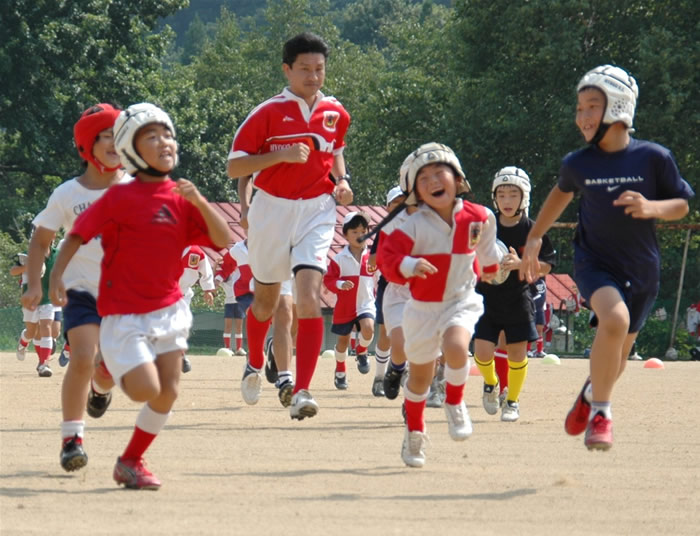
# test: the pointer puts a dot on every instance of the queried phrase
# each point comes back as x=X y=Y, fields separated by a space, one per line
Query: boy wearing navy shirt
x=625 y=185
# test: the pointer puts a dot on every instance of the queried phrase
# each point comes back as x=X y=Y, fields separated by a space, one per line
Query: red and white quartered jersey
x=451 y=249
x=234 y=259
x=145 y=226
x=285 y=120
x=359 y=299
x=196 y=267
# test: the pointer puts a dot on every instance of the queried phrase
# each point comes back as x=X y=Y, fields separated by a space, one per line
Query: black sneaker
x=341 y=382
x=73 y=456
x=270 y=365
x=186 y=365
x=97 y=404
x=362 y=363
x=392 y=382
x=378 y=387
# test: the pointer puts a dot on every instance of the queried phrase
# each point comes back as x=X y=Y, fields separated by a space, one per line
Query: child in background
x=229 y=300
x=145 y=225
x=350 y=280
x=434 y=252
x=509 y=306
x=30 y=318
x=625 y=186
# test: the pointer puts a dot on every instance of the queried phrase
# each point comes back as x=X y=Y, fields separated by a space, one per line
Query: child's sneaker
x=133 y=474
x=303 y=405
x=392 y=382
x=341 y=381
x=599 y=435
x=44 y=370
x=21 y=351
x=270 y=364
x=434 y=399
x=413 y=448
x=362 y=363
x=64 y=358
x=502 y=397
x=577 y=418
x=378 y=387
x=510 y=411
x=458 y=422
x=285 y=393
x=97 y=403
x=186 y=364
x=490 y=399
x=73 y=456
x=240 y=352
x=251 y=385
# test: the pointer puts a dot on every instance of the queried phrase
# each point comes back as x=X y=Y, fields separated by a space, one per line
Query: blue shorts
x=58 y=316
x=346 y=328
x=639 y=303
x=241 y=306
x=488 y=329
x=539 y=308
x=379 y=300
x=229 y=310
x=81 y=309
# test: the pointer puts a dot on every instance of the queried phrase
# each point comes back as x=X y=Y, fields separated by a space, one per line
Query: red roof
x=231 y=212
x=560 y=287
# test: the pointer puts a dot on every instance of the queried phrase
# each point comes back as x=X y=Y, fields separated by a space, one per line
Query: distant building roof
x=560 y=288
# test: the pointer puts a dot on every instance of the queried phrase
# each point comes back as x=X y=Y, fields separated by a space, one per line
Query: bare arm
x=38 y=246
x=247 y=165
x=638 y=206
x=552 y=208
x=245 y=194
x=343 y=193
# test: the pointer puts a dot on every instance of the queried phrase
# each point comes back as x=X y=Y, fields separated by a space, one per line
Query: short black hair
x=302 y=44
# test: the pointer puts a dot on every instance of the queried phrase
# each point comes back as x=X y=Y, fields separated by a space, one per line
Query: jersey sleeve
x=197 y=231
x=670 y=184
x=250 y=136
x=206 y=276
x=95 y=218
x=393 y=250
x=332 y=276
x=567 y=182
x=53 y=216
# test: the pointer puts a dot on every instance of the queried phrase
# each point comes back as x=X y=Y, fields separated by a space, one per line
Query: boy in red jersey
x=349 y=278
x=293 y=144
x=144 y=226
x=434 y=251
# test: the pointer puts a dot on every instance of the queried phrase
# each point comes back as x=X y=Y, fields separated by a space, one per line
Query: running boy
x=509 y=306
x=625 y=185
x=145 y=225
x=350 y=280
x=434 y=252
x=293 y=143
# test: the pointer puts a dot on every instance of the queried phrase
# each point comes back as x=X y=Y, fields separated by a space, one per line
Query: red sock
x=257 y=331
x=43 y=353
x=353 y=342
x=227 y=342
x=66 y=347
x=309 y=340
x=502 y=371
x=414 y=415
x=239 y=342
x=140 y=441
x=454 y=394
x=340 y=366
x=540 y=345
x=361 y=349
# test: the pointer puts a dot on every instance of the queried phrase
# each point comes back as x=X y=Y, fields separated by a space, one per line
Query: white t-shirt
x=64 y=206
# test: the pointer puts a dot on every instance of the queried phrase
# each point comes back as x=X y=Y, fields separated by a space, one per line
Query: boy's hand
x=372 y=263
x=530 y=263
x=30 y=299
x=342 y=193
x=189 y=191
x=209 y=297
x=347 y=285
x=511 y=261
x=636 y=205
x=57 y=291
x=297 y=153
x=423 y=269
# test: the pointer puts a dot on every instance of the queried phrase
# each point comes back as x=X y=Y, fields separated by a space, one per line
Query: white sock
x=72 y=428
x=600 y=407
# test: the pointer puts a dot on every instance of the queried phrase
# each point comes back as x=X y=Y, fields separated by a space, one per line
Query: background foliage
x=494 y=79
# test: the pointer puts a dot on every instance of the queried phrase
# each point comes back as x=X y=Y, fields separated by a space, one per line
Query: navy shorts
x=58 y=316
x=539 y=308
x=488 y=329
x=379 y=300
x=229 y=310
x=241 y=306
x=346 y=328
x=81 y=309
x=639 y=303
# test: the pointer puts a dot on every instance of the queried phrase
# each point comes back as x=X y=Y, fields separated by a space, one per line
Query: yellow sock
x=488 y=371
x=517 y=372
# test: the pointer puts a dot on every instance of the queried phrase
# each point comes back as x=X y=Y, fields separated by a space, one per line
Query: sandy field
x=228 y=468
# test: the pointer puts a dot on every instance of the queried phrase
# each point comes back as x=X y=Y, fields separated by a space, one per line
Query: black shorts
x=379 y=300
x=346 y=328
x=488 y=329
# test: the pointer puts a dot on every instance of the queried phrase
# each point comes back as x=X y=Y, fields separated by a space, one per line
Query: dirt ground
x=228 y=468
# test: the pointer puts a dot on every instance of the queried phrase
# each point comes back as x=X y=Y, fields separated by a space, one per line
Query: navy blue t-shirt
x=605 y=235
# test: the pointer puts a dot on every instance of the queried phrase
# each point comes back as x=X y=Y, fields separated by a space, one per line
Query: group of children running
x=452 y=270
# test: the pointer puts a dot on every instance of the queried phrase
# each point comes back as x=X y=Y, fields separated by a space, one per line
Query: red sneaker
x=599 y=434
x=133 y=474
x=577 y=418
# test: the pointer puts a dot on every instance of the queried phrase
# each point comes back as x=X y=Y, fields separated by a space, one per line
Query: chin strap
x=600 y=134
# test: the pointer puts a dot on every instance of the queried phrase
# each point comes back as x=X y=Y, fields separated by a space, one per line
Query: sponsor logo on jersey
x=164 y=216
x=475 y=229
x=330 y=120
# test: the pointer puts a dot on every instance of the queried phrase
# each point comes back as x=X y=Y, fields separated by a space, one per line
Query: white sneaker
x=413 y=448
x=303 y=405
x=435 y=399
x=240 y=352
x=490 y=399
x=502 y=397
x=510 y=411
x=458 y=422
x=636 y=357
x=44 y=370
x=251 y=386
x=21 y=352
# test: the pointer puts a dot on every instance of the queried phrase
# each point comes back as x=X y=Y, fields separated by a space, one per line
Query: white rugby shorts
x=425 y=323
x=393 y=304
x=285 y=233
x=42 y=312
x=128 y=341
